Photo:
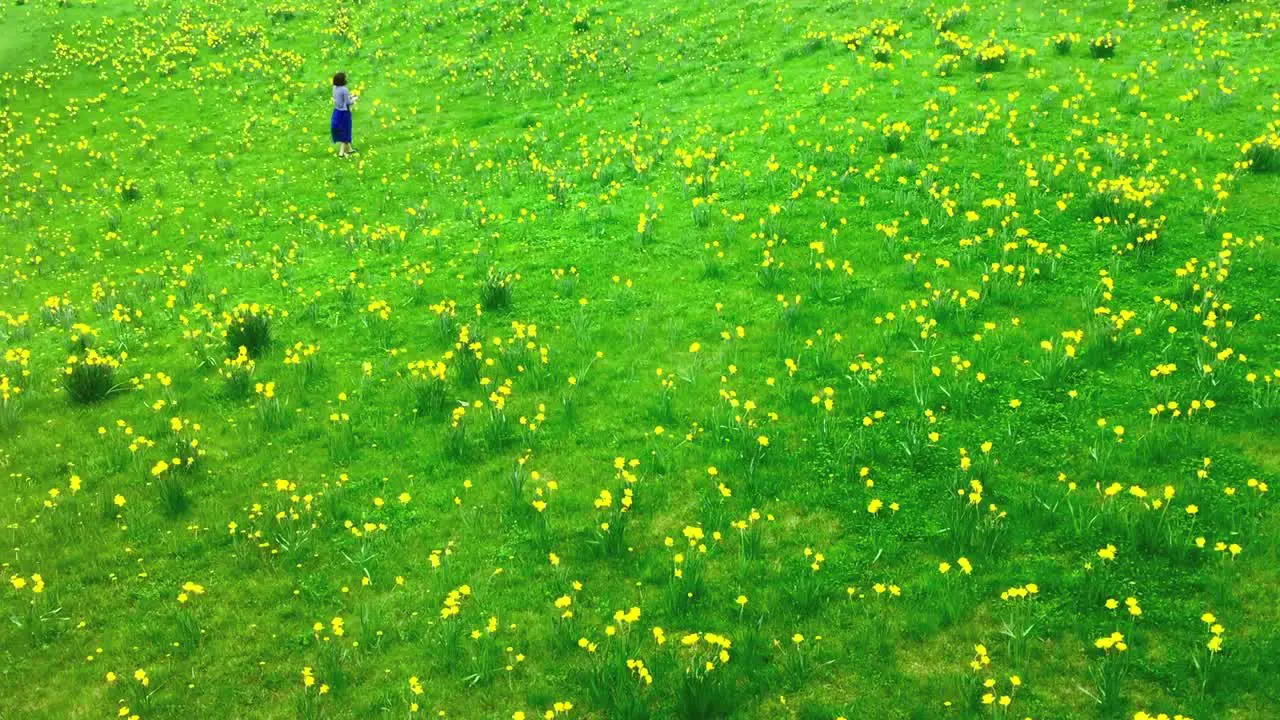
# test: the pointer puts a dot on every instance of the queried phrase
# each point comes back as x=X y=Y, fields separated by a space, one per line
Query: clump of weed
x=1262 y=154
x=991 y=56
x=89 y=378
x=951 y=18
x=248 y=328
x=238 y=372
x=495 y=293
x=1103 y=46
x=129 y=190
x=1063 y=42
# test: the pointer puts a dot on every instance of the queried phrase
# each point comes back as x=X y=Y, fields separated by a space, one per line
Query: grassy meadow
x=689 y=360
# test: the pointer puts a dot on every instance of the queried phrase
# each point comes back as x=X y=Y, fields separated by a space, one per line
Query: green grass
x=632 y=323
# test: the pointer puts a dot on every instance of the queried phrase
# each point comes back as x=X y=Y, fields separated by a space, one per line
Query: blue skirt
x=340 y=126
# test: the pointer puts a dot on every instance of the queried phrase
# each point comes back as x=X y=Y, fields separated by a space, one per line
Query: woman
x=340 y=126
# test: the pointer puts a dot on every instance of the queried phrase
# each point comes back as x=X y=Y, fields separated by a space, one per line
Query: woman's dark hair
x=340 y=79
